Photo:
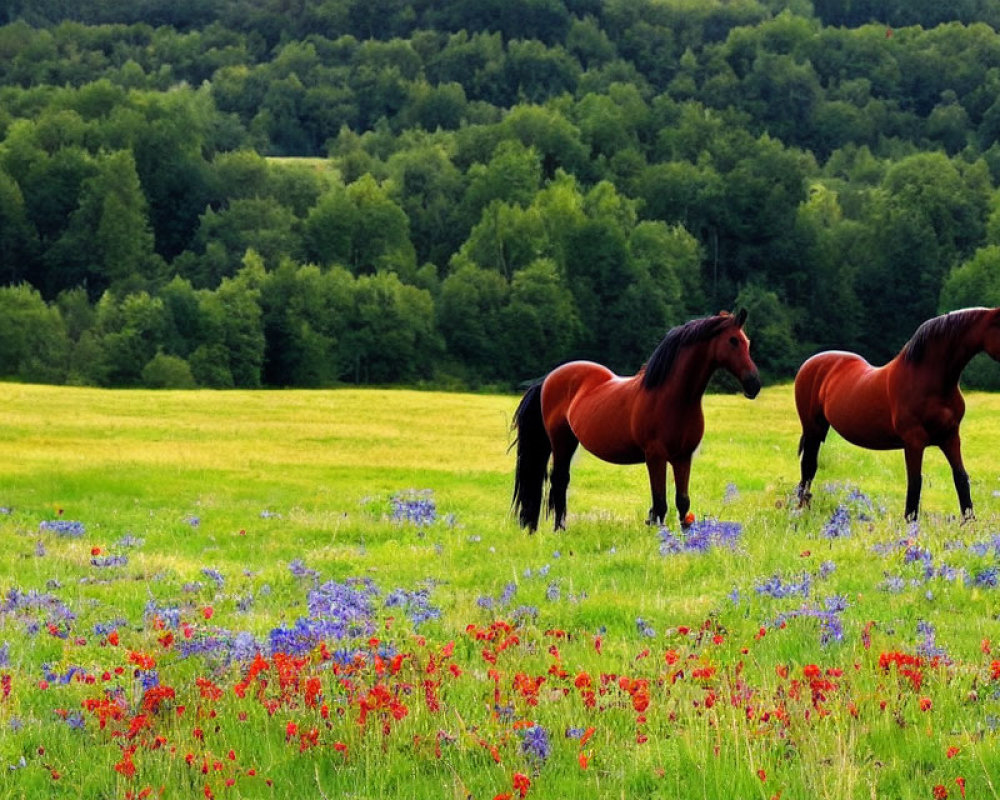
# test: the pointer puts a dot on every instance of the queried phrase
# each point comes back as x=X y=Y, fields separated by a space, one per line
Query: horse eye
x=733 y=341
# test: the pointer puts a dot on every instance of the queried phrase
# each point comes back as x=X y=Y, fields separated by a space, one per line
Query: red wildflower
x=940 y=793
x=521 y=783
x=961 y=784
x=142 y=660
x=126 y=766
x=586 y=735
x=113 y=638
x=952 y=752
x=584 y=760
x=925 y=704
x=762 y=775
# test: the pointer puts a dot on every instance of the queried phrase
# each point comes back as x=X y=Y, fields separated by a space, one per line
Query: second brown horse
x=911 y=403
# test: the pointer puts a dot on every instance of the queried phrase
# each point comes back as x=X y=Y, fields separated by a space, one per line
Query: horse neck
x=954 y=354
x=691 y=373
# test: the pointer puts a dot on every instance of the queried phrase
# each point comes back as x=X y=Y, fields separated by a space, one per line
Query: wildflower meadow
x=324 y=594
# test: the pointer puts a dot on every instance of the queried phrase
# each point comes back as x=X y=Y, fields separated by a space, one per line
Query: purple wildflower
x=215 y=576
x=535 y=744
x=701 y=537
x=778 y=588
x=839 y=524
x=63 y=527
x=644 y=628
x=104 y=562
x=416 y=605
x=300 y=570
x=414 y=506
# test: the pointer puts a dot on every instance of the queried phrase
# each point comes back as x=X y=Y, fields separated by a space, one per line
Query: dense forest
x=464 y=193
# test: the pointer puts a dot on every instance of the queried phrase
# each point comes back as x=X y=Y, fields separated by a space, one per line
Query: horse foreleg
x=914 y=454
x=656 y=465
x=682 y=474
x=952 y=450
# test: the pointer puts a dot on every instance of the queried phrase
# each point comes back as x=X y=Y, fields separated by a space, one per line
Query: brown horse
x=653 y=417
x=913 y=402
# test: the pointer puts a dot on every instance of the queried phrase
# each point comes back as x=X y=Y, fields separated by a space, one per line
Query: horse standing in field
x=913 y=402
x=653 y=417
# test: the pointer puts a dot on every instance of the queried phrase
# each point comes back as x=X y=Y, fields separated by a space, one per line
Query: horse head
x=732 y=352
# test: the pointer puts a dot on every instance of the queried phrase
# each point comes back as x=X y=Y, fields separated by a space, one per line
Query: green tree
x=469 y=318
x=541 y=325
x=34 y=345
x=167 y=372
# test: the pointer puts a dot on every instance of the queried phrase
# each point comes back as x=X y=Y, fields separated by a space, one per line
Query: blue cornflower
x=839 y=524
x=552 y=592
x=777 y=588
x=149 y=678
x=524 y=614
x=644 y=628
x=63 y=527
x=415 y=507
x=215 y=576
x=927 y=644
x=170 y=616
x=986 y=578
x=535 y=744
x=893 y=584
x=105 y=562
x=75 y=721
x=703 y=535
x=509 y=590
x=416 y=605
x=300 y=570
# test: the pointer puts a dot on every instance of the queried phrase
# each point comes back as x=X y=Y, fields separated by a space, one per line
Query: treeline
x=483 y=189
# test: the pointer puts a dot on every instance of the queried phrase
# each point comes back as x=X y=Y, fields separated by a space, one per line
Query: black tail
x=533 y=450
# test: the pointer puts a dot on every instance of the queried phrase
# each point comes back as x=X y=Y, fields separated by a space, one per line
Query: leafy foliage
x=474 y=192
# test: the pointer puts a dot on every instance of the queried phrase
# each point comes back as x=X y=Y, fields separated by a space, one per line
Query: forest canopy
x=244 y=193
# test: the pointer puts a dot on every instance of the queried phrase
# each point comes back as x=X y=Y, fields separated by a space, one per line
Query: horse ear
x=741 y=317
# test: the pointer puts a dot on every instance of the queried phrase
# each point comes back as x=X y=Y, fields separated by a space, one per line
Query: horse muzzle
x=751 y=385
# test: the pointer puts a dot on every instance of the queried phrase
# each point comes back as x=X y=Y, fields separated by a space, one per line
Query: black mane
x=697 y=330
x=948 y=327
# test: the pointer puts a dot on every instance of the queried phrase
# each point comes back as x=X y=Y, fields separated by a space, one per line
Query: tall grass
x=829 y=653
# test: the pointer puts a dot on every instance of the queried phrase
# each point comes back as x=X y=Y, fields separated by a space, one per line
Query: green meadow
x=218 y=594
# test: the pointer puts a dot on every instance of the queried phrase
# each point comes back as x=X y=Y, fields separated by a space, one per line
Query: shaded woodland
x=244 y=193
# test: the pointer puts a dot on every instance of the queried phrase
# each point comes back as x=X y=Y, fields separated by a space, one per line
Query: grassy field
x=323 y=594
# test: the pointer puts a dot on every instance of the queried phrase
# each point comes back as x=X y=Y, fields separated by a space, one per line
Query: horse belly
x=601 y=422
x=857 y=407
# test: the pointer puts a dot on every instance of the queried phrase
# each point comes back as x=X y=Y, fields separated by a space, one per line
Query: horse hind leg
x=564 y=444
x=813 y=436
